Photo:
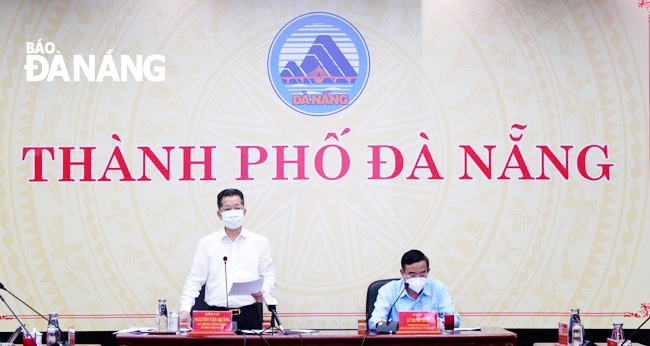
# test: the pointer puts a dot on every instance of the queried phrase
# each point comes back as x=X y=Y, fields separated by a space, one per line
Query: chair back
x=371 y=295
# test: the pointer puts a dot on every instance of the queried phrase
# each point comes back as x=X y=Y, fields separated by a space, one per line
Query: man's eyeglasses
x=417 y=275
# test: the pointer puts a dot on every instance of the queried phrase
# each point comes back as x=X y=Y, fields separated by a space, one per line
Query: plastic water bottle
x=617 y=333
x=53 y=330
x=575 y=319
x=577 y=334
x=161 y=316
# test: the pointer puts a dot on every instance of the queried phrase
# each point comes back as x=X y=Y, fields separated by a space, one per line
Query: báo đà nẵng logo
x=318 y=64
x=44 y=62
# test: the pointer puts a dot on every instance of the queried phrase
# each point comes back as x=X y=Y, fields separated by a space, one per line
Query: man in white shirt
x=245 y=255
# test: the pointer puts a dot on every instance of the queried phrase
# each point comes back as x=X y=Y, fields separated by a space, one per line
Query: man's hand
x=259 y=296
x=184 y=319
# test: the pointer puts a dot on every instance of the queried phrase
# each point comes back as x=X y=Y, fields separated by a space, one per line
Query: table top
x=556 y=344
x=487 y=336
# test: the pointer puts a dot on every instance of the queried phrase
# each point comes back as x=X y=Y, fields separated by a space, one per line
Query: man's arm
x=193 y=283
x=267 y=268
x=382 y=305
x=447 y=303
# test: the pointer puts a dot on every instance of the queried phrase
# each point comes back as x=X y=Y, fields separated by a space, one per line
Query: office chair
x=371 y=296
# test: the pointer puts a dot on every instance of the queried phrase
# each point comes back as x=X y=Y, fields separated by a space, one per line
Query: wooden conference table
x=487 y=337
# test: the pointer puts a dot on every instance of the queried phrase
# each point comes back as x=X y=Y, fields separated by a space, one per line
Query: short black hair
x=413 y=256
x=229 y=193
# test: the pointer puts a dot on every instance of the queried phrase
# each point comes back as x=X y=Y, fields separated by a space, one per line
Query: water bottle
x=617 y=333
x=53 y=330
x=161 y=316
x=574 y=319
x=577 y=334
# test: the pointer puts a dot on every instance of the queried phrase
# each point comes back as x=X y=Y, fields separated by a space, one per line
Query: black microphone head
x=406 y=285
x=2 y=287
x=225 y=258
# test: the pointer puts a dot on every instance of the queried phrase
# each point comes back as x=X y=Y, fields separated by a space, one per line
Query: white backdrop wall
x=516 y=250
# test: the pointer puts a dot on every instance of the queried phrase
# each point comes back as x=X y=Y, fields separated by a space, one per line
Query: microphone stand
x=274 y=317
x=2 y=287
x=22 y=325
x=225 y=274
x=271 y=305
x=272 y=322
x=628 y=340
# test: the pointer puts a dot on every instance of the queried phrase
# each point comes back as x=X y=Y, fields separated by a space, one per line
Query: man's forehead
x=417 y=266
x=231 y=200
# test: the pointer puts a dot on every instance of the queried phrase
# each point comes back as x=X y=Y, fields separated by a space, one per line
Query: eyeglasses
x=417 y=275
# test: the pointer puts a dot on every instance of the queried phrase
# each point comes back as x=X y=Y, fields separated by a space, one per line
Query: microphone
x=225 y=274
x=628 y=340
x=22 y=325
x=2 y=287
x=271 y=304
x=388 y=327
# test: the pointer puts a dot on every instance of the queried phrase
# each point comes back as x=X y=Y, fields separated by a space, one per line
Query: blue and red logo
x=318 y=64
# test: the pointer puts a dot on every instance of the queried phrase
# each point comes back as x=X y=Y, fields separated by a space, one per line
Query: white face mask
x=233 y=219
x=416 y=284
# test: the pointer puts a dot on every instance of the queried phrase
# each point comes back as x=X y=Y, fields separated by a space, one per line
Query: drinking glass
x=449 y=323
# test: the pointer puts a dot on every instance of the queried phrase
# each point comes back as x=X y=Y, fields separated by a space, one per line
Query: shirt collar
x=224 y=236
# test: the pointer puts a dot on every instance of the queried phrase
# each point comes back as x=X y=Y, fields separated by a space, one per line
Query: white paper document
x=460 y=329
x=136 y=330
x=246 y=288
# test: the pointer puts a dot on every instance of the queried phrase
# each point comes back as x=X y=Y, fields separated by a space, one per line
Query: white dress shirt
x=249 y=257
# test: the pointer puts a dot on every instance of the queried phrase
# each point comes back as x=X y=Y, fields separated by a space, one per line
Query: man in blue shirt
x=421 y=294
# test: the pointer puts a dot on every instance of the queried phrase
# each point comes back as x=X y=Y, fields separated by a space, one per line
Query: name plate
x=418 y=322
x=212 y=323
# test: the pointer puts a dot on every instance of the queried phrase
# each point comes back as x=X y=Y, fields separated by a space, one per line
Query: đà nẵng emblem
x=318 y=64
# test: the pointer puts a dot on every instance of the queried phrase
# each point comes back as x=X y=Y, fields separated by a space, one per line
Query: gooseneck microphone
x=2 y=287
x=225 y=274
x=271 y=304
x=628 y=340
x=388 y=327
x=22 y=325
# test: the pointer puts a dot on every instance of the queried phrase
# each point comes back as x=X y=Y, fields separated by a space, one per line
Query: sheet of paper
x=136 y=330
x=460 y=329
x=246 y=288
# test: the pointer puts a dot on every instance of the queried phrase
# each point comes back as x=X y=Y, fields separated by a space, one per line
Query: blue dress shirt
x=434 y=296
